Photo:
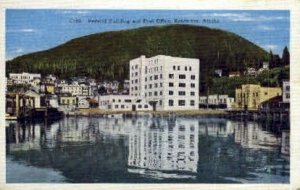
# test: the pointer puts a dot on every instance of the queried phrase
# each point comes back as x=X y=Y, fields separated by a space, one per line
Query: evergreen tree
x=285 y=57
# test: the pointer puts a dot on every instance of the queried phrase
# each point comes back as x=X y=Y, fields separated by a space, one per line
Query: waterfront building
x=222 y=101
x=36 y=97
x=286 y=91
x=123 y=102
x=68 y=100
x=168 y=83
x=83 y=103
x=23 y=78
x=265 y=65
x=250 y=96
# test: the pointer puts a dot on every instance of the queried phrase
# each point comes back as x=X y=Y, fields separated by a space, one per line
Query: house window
x=181 y=76
x=192 y=85
x=156 y=85
x=181 y=84
x=113 y=100
x=150 y=93
x=145 y=106
x=161 y=84
x=155 y=93
x=119 y=100
x=174 y=67
x=287 y=88
x=122 y=106
x=139 y=106
x=150 y=77
x=192 y=93
x=181 y=102
x=287 y=95
x=171 y=76
x=155 y=77
x=171 y=84
x=161 y=76
x=116 y=106
x=178 y=68
x=161 y=93
x=193 y=77
x=171 y=102
x=185 y=68
x=192 y=102
x=181 y=93
x=190 y=68
x=171 y=92
x=150 y=85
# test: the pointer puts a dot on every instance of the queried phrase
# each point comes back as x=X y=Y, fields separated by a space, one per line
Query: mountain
x=106 y=56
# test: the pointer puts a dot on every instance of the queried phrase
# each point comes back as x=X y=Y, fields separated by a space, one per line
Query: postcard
x=154 y=96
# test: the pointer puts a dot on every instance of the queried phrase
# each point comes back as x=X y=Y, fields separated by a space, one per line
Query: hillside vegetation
x=105 y=56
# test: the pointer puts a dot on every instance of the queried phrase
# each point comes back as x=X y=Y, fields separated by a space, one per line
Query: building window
x=155 y=77
x=160 y=102
x=192 y=93
x=136 y=80
x=150 y=86
x=139 y=106
x=193 y=77
x=156 y=85
x=146 y=70
x=181 y=93
x=171 y=92
x=146 y=79
x=122 y=106
x=155 y=93
x=113 y=100
x=174 y=67
x=287 y=95
x=190 y=68
x=192 y=102
x=116 y=106
x=150 y=77
x=145 y=86
x=150 y=93
x=171 y=84
x=192 y=85
x=181 y=102
x=178 y=68
x=287 y=88
x=136 y=66
x=161 y=93
x=171 y=102
x=145 y=106
x=185 y=68
x=181 y=76
x=161 y=76
x=171 y=76
x=181 y=84
x=161 y=84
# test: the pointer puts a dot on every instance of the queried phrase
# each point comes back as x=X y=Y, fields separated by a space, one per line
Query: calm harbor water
x=147 y=149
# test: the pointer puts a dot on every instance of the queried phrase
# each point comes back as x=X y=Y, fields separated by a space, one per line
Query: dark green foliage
x=105 y=56
x=268 y=78
x=285 y=57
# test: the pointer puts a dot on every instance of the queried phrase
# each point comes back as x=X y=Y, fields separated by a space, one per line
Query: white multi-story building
x=286 y=91
x=77 y=89
x=24 y=78
x=168 y=83
x=123 y=102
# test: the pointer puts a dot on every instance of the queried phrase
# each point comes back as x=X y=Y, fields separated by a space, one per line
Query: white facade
x=36 y=96
x=23 y=78
x=216 y=100
x=83 y=103
x=286 y=91
x=77 y=90
x=171 y=82
x=123 y=103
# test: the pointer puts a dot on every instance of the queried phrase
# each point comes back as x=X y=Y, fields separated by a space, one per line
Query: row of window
x=185 y=68
x=123 y=106
x=154 y=77
x=181 y=93
x=181 y=102
x=182 y=76
x=171 y=84
x=151 y=70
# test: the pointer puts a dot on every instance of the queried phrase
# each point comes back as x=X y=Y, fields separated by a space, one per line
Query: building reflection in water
x=251 y=135
x=163 y=145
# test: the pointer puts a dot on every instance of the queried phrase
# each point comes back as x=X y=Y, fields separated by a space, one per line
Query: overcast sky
x=35 y=30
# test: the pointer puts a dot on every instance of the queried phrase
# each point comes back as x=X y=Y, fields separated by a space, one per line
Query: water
x=147 y=150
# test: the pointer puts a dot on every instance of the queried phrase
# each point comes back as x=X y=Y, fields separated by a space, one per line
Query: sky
x=31 y=30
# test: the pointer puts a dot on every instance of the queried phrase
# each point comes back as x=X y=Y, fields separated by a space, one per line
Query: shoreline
x=98 y=112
